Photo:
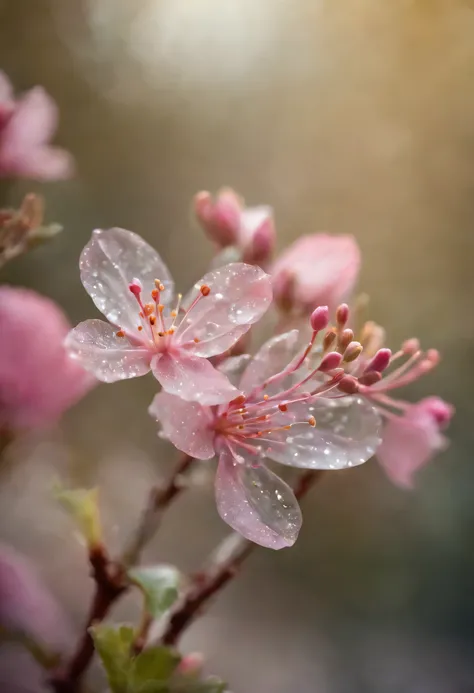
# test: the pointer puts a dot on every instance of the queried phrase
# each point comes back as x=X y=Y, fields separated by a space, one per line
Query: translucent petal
x=95 y=345
x=109 y=262
x=256 y=503
x=233 y=366
x=192 y=378
x=272 y=358
x=185 y=424
x=240 y=294
x=347 y=434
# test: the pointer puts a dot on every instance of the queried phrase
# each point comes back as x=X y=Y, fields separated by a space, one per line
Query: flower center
x=152 y=317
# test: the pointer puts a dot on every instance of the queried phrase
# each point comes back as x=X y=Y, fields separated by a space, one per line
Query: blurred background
x=352 y=116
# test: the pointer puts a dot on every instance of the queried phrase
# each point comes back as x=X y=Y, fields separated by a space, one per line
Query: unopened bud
x=257 y=225
x=320 y=318
x=219 y=219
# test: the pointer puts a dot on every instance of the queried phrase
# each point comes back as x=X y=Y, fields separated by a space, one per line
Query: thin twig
x=223 y=566
x=111 y=582
x=158 y=500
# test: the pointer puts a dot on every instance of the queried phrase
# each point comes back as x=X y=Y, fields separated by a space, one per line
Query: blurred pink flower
x=409 y=441
x=315 y=270
x=226 y=220
x=27 y=607
x=27 y=125
x=280 y=393
x=221 y=307
x=38 y=381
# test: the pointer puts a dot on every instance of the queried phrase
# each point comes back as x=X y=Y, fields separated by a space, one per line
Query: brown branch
x=111 y=582
x=224 y=565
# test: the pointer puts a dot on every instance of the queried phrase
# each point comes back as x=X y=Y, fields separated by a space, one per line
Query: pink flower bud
x=219 y=219
x=257 y=226
x=320 y=318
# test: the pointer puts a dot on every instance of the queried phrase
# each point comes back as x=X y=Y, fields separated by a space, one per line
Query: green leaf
x=82 y=505
x=159 y=585
x=154 y=665
x=114 y=647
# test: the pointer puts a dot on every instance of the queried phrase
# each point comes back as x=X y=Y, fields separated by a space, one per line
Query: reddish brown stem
x=229 y=557
x=110 y=580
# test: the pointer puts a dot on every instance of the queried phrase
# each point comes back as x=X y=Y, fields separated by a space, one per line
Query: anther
x=152 y=319
x=148 y=309
x=120 y=333
x=380 y=361
x=329 y=338
x=349 y=385
x=196 y=340
x=265 y=397
x=140 y=328
x=161 y=287
x=205 y=290
x=352 y=352
x=155 y=294
x=319 y=318
x=283 y=407
x=345 y=338
x=330 y=361
x=312 y=421
x=135 y=287
x=342 y=315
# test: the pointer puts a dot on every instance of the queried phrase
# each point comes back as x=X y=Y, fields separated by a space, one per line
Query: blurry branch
x=22 y=229
x=159 y=499
x=111 y=580
x=222 y=567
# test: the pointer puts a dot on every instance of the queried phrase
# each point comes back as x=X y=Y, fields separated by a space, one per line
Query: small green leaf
x=154 y=665
x=159 y=585
x=114 y=646
x=82 y=505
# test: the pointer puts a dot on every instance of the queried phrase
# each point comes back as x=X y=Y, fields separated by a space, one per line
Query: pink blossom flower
x=248 y=231
x=38 y=381
x=286 y=414
x=410 y=440
x=315 y=270
x=141 y=336
x=26 y=127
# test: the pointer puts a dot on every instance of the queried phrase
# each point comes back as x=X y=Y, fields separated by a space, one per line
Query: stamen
x=312 y=421
x=329 y=339
x=342 y=315
x=120 y=333
x=353 y=351
x=205 y=290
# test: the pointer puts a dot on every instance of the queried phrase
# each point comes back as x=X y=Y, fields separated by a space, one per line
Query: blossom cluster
x=319 y=396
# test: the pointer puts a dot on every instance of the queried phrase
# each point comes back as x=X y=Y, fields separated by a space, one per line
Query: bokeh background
x=353 y=116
